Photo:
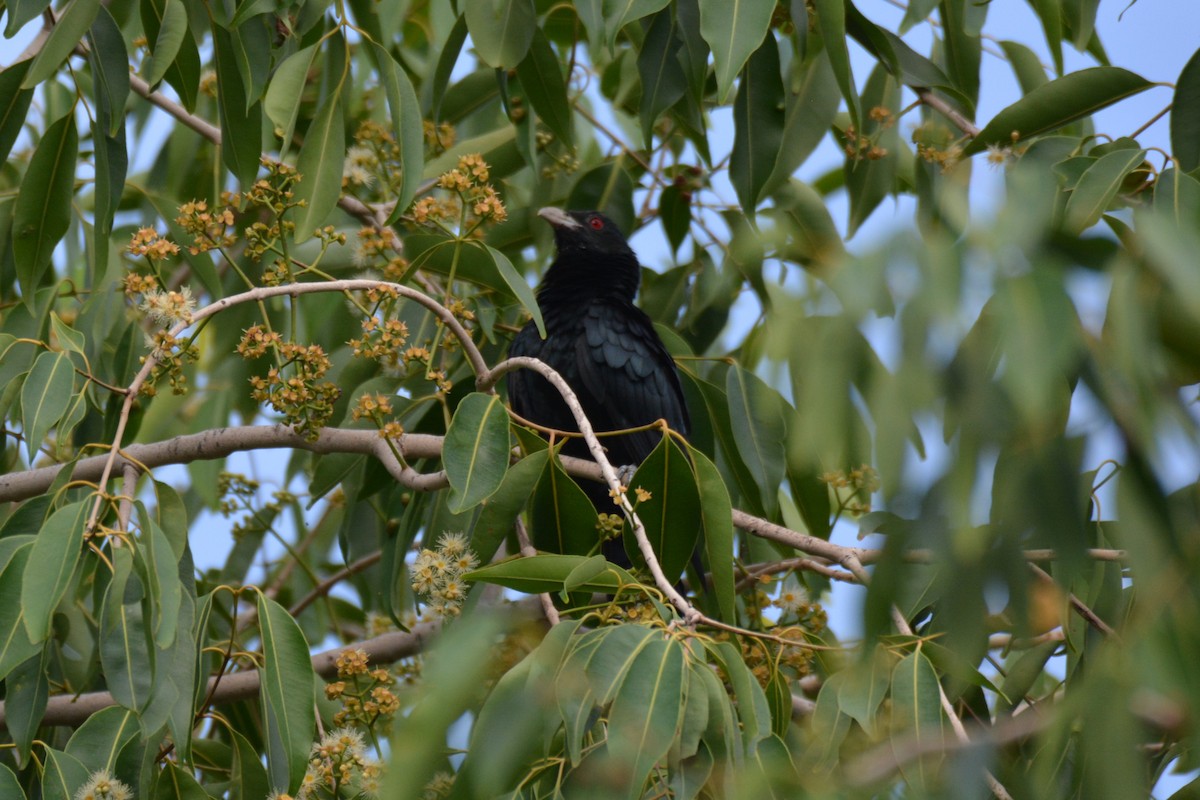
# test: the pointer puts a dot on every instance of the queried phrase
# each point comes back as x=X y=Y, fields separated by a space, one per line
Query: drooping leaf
x=47 y=576
x=14 y=104
x=831 y=19
x=663 y=78
x=502 y=30
x=124 y=640
x=406 y=126
x=110 y=70
x=284 y=93
x=42 y=214
x=169 y=39
x=759 y=430
x=1058 y=103
x=541 y=77
x=518 y=286
x=671 y=514
x=733 y=29
x=715 y=510
x=1185 y=116
x=320 y=167
x=287 y=693
x=241 y=119
x=917 y=709
x=67 y=32
x=758 y=121
x=646 y=710
x=476 y=450
x=561 y=517
x=15 y=645
x=45 y=397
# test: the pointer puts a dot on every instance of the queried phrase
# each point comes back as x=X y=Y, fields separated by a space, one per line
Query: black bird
x=603 y=345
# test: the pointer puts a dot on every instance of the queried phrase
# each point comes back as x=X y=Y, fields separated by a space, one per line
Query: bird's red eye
x=596 y=223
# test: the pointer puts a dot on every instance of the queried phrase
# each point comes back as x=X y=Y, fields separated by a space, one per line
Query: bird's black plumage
x=603 y=345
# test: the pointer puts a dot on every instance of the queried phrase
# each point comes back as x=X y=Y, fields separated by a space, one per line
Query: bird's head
x=587 y=232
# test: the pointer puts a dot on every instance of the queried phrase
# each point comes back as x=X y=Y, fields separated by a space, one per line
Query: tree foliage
x=309 y=228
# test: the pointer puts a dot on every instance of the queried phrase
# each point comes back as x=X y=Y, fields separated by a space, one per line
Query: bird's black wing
x=629 y=376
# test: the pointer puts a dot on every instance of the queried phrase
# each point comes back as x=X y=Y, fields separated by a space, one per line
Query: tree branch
x=75 y=709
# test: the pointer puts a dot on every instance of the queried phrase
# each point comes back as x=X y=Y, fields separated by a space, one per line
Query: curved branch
x=689 y=613
x=75 y=709
x=221 y=442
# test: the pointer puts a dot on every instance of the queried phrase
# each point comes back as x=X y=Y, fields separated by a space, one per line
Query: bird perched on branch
x=603 y=345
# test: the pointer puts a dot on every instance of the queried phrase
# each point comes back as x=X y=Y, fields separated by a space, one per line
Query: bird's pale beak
x=558 y=218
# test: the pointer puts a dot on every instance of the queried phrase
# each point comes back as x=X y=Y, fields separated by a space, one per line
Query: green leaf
x=1098 y=187
x=320 y=167
x=15 y=645
x=502 y=30
x=675 y=214
x=176 y=783
x=619 y=13
x=475 y=453
x=1185 y=116
x=864 y=687
x=758 y=121
x=561 y=517
x=165 y=47
x=663 y=78
x=671 y=515
x=963 y=48
x=519 y=287
x=647 y=710
x=753 y=711
x=917 y=709
x=63 y=775
x=110 y=69
x=549 y=573
x=407 y=127
x=759 y=430
x=734 y=29
x=51 y=564
x=45 y=397
x=182 y=70
x=811 y=108
x=124 y=643
x=241 y=120
x=14 y=104
x=1025 y=65
x=618 y=649
x=287 y=693
x=831 y=21
x=283 y=97
x=42 y=214
x=496 y=519
x=252 y=55
x=715 y=511
x=27 y=691
x=9 y=786
x=540 y=73
x=162 y=574
x=72 y=24
x=1058 y=103
x=67 y=337
x=20 y=12
x=98 y=742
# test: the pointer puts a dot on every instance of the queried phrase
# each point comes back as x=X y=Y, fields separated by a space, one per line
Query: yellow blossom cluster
x=293 y=388
x=148 y=242
x=209 y=229
x=469 y=183
x=339 y=763
x=365 y=692
x=437 y=575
